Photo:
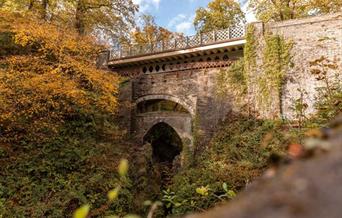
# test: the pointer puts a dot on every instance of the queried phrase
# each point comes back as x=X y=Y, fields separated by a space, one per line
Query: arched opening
x=157 y=68
x=144 y=69
x=166 y=143
x=155 y=105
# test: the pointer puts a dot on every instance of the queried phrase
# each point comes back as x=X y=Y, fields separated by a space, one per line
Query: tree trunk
x=31 y=4
x=79 y=19
x=44 y=9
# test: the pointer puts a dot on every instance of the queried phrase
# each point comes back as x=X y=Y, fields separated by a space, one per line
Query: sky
x=178 y=15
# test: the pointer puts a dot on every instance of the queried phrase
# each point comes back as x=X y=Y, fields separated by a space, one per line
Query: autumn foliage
x=48 y=77
x=58 y=134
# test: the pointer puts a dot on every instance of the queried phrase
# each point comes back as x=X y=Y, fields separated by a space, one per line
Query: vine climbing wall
x=290 y=62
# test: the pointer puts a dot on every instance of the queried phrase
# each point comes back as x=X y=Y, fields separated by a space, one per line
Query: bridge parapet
x=201 y=39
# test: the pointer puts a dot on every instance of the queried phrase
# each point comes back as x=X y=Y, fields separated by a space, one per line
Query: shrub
x=237 y=154
x=59 y=143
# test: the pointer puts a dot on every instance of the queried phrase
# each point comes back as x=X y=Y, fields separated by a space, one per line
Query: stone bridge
x=173 y=83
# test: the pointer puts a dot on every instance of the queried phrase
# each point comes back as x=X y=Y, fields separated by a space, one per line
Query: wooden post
x=175 y=43
x=201 y=39
x=187 y=41
x=214 y=35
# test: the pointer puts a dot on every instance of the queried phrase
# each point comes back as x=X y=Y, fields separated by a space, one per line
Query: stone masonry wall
x=194 y=89
x=312 y=38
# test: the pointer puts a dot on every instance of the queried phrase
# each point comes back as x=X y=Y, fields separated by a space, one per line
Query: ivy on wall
x=270 y=76
x=236 y=77
x=250 y=53
x=233 y=78
x=276 y=61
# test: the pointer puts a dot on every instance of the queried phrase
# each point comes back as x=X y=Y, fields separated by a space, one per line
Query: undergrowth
x=237 y=154
x=59 y=142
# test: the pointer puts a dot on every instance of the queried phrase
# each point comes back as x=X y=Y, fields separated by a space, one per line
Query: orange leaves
x=52 y=80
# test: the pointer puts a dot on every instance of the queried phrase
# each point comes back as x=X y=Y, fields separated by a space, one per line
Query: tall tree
x=219 y=14
x=108 y=19
x=326 y=6
x=150 y=32
x=108 y=16
x=279 y=10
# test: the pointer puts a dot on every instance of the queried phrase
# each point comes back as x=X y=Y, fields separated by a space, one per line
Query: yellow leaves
x=52 y=79
x=113 y=194
x=204 y=191
x=82 y=212
x=231 y=194
x=123 y=167
x=22 y=39
x=219 y=14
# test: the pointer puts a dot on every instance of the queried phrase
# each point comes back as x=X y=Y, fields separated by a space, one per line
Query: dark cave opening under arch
x=165 y=141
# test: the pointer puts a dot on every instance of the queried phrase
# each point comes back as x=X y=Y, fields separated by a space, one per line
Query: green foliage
x=276 y=61
x=329 y=103
x=236 y=155
x=220 y=14
x=279 y=10
x=234 y=78
x=59 y=142
x=250 y=51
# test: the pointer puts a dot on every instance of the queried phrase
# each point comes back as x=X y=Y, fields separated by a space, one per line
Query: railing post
x=229 y=35
x=175 y=43
x=201 y=39
x=187 y=41
x=108 y=54
x=163 y=46
x=214 y=35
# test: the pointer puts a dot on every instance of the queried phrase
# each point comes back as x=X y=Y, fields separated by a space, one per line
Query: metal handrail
x=178 y=43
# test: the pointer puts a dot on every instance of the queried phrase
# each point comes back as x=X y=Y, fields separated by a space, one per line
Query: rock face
x=308 y=188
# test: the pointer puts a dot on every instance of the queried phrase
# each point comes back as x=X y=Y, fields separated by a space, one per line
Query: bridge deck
x=186 y=45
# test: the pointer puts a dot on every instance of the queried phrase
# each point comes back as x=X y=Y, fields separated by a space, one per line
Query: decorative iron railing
x=178 y=43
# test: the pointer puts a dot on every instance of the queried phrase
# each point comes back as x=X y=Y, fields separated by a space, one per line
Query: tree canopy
x=219 y=14
x=111 y=19
x=279 y=10
x=47 y=76
x=150 y=32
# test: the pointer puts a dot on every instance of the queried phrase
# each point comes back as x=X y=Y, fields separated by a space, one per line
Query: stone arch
x=151 y=125
x=165 y=141
x=190 y=108
x=160 y=105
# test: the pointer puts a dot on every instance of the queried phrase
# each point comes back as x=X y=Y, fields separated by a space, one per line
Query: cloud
x=174 y=21
x=250 y=16
x=182 y=23
x=184 y=27
x=156 y=3
x=146 y=5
